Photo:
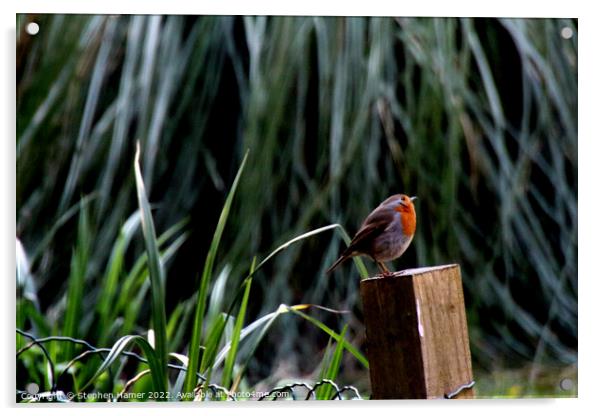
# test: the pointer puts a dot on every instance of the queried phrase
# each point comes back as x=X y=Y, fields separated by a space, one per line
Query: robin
x=385 y=234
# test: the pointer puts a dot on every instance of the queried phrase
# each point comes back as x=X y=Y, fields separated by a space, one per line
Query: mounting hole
x=32 y=28
x=566 y=32
x=32 y=388
x=566 y=384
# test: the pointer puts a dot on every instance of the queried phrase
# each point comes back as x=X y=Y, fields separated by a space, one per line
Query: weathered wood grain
x=417 y=337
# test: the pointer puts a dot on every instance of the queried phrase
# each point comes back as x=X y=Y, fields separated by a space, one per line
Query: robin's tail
x=336 y=263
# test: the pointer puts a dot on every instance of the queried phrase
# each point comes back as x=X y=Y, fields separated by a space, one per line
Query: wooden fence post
x=416 y=332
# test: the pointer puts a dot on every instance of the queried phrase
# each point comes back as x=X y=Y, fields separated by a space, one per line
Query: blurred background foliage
x=478 y=117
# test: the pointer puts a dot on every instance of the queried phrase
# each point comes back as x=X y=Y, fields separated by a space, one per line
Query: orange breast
x=408 y=219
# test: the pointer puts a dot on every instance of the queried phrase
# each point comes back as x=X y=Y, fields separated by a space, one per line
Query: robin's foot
x=383 y=269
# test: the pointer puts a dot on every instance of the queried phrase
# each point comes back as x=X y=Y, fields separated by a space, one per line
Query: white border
x=590 y=178
x=506 y=8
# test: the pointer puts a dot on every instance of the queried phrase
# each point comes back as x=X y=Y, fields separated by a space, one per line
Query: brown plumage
x=385 y=234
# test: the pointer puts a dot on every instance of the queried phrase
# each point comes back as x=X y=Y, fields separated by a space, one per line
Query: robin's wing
x=375 y=224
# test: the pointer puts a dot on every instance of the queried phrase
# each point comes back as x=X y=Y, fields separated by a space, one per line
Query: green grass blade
x=331 y=372
x=211 y=345
x=179 y=383
x=359 y=264
x=156 y=274
x=107 y=297
x=92 y=98
x=26 y=285
x=28 y=311
x=77 y=280
x=173 y=322
x=64 y=218
x=326 y=360
x=333 y=369
x=229 y=366
x=354 y=351
x=218 y=292
x=134 y=283
x=485 y=71
x=154 y=361
x=197 y=329
x=295 y=240
x=139 y=268
x=255 y=332
x=263 y=322
x=254 y=342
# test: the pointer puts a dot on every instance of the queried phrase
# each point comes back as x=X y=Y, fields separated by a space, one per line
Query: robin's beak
x=413 y=198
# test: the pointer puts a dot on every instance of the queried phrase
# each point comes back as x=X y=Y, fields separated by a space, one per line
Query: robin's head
x=398 y=200
x=405 y=203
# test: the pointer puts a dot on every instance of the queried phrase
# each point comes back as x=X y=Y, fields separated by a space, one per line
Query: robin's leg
x=383 y=269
